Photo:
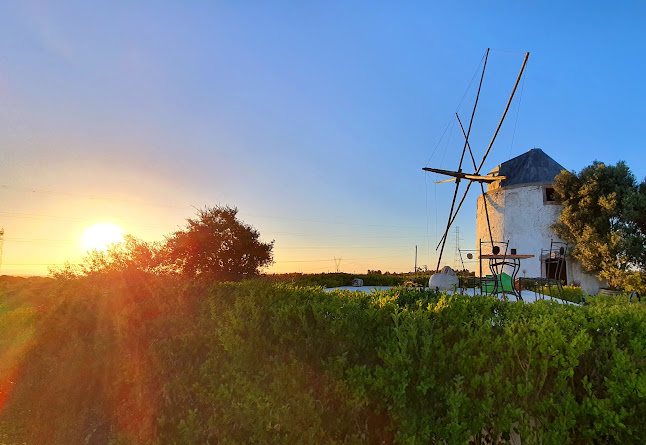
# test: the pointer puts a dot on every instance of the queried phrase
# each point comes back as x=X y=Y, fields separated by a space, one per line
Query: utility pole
x=415 y=260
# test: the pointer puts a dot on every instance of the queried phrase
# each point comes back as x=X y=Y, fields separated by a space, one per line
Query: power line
x=391 y=255
x=41 y=264
x=91 y=197
x=335 y=247
x=148 y=203
x=278 y=247
x=41 y=216
x=508 y=52
x=325 y=235
x=320 y=221
x=451 y=121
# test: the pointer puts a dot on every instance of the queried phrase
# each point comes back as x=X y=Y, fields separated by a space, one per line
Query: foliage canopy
x=256 y=362
x=214 y=245
x=218 y=245
x=604 y=216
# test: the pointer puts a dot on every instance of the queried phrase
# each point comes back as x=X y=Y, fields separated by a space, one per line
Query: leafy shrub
x=428 y=367
x=214 y=246
x=573 y=294
x=340 y=279
x=151 y=359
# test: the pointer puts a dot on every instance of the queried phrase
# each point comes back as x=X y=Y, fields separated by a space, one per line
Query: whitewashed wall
x=521 y=215
x=589 y=283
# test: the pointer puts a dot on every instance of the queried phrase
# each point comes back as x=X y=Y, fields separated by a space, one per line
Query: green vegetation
x=125 y=358
x=341 y=279
x=572 y=294
x=218 y=246
x=215 y=246
x=604 y=217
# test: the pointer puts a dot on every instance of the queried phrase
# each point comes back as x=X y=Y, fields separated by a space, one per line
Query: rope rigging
x=459 y=175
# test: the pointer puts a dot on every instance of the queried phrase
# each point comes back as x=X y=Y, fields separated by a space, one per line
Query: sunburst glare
x=100 y=236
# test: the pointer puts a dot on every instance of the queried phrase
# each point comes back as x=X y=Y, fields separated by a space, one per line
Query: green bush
x=572 y=294
x=144 y=359
x=409 y=366
x=339 y=279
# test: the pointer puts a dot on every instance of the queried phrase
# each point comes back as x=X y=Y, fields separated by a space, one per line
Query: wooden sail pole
x=457 y=181
x=466 y=140
x=473 y=112
x=484 y=198
x=460 y=175
x=522 y=68
x=456 y=212
x=511 y=96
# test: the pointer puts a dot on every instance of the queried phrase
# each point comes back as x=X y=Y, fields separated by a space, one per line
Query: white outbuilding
x=521 y=209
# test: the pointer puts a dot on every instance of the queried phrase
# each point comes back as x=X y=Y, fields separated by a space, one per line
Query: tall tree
x=219 y=246
x=604 y=216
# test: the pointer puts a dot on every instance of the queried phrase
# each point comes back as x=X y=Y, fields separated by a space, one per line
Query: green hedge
x=339 y=279
x=283 y=364
x=145 y=359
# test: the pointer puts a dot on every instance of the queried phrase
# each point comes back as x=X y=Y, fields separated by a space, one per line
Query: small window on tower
x=550 y=196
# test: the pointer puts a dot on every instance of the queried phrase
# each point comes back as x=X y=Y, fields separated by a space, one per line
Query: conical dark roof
x=531 y=167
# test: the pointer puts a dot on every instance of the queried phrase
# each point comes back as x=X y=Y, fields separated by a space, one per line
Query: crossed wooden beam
x=459 y=175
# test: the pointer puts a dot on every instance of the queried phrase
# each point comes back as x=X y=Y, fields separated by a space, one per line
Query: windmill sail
x=459 y=175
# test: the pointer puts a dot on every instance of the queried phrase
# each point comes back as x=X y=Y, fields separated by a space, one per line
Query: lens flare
x=100 y=236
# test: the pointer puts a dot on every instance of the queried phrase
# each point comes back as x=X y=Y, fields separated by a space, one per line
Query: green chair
x=504 y=284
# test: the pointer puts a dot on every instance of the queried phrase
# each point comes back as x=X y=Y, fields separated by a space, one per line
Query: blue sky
x=313 y=118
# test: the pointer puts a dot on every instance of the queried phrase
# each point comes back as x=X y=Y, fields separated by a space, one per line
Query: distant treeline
x=340 y=279
x=343 y=279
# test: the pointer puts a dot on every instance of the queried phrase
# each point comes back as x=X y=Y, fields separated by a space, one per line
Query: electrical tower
x=456 y=257
x=1 y=244
x=337 y=264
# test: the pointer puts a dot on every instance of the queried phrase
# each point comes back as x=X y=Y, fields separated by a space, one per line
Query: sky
x=314 y=119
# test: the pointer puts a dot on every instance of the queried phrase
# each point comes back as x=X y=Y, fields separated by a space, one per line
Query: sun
x=100 y=236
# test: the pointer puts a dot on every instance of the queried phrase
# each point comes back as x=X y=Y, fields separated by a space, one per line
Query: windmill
x=459 y=175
